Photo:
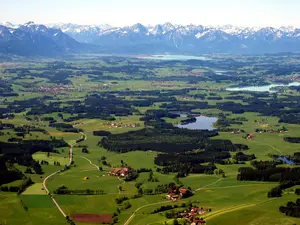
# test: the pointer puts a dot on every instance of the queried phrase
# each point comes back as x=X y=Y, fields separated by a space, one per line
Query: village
x=175 y=194
x=121 y=125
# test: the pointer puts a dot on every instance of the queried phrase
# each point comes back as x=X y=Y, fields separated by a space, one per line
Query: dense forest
x=163 y=140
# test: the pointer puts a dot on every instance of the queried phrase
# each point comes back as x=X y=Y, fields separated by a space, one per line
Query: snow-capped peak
x=29 y=23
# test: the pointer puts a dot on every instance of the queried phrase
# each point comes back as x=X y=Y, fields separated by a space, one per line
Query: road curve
x=45 y=180
x=132 y=216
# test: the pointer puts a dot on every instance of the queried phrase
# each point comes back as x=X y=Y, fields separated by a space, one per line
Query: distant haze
x=127 y=12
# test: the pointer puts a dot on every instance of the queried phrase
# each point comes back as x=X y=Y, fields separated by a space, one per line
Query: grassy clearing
x=35 y=189
x=62 y=159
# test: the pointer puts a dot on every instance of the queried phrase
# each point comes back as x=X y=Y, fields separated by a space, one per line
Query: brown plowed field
x=91 y=218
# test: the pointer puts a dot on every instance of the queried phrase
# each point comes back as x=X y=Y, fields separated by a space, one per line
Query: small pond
x=285 y=160
x=202 y=123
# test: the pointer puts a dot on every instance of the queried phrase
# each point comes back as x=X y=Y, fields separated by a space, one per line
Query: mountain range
x=50 y=39
x=30 y=39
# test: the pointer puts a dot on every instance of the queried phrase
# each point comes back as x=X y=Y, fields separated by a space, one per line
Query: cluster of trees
x=8 y=173
x=31 y=146
x=291 y=209
x=64 y=127
x=189 y=120
x=224 y=121
x=168 y=207
x=240 y=156
x=267 y=171
x=85 y=150
x=4 y=126
x=277 y=191
x=6 y=89
x=292 y=139
x=27 y=129
x=184 y=164
x=63 y=190
x=103 y=133
x=26 y=182
x=120 y=200
x=70 y=221
x=131 y=175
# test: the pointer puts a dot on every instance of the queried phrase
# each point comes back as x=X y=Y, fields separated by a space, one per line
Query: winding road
x=157 y=203
x=51 y=175
x=144 y=206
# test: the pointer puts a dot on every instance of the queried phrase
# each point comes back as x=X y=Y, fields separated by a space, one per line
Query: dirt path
x=199 y=189
x=90 y=162
x=276 y=149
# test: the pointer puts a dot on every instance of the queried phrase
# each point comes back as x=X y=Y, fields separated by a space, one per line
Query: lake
x=264 y=88
x=202 y=123
x=175 y=57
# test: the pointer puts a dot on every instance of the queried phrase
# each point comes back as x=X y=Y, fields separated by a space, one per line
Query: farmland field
x=70 y=128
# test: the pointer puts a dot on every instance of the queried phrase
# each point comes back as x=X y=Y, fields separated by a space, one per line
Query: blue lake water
x=176 y=57
x=265 y=88
x=202 y=123
x=285 y=160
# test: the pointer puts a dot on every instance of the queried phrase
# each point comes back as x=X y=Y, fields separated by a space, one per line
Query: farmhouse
x=120 y=172
x=250 y=137
x=177 y=194
x=198 y=222
x=185 y=192
x=172 y=196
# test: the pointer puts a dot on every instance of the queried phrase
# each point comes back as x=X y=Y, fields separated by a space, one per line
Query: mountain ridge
x=160 y=38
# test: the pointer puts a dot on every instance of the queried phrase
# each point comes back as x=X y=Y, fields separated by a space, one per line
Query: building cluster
x=271 y=131
x=191 y=216
x=119 y=172
x=120 y=125
x=236 y=132
x=177 y=194
x=250 y=136
x=57 y=89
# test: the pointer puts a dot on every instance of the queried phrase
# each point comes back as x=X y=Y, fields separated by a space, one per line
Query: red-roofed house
x=119 y=172
x=173 y=196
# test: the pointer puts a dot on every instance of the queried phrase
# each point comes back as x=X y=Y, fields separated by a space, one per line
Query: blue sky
x=127 y=12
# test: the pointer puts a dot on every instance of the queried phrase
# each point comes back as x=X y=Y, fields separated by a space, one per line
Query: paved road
x=133 y=215
x=45 y=180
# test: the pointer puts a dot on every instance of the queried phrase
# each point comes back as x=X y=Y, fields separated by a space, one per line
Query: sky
x=260 y=13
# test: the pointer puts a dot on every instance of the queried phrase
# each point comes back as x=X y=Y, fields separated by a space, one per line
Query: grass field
x=40 y=210
x=62 y=159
